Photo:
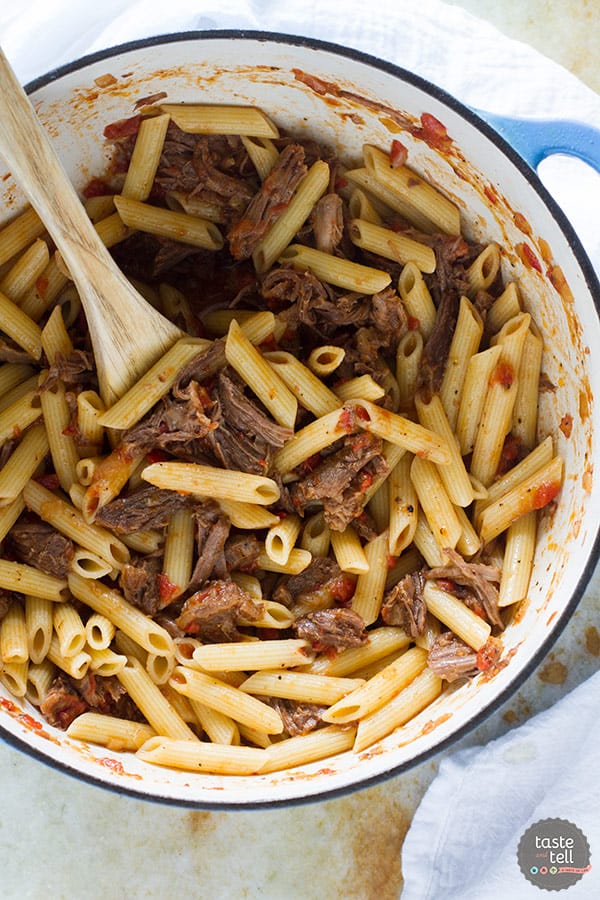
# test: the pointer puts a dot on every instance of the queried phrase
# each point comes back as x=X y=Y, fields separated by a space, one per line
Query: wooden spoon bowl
x=128 y=335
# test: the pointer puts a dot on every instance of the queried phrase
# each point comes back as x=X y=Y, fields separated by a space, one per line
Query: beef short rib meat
x=404 y=605
x=336 y=628
x=38 y=544
x=214 y=613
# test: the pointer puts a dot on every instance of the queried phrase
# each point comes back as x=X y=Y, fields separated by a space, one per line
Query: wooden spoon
x=128 y=335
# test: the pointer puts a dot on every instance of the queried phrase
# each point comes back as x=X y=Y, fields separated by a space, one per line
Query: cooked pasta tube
x=106 y=662
x=391 y=244
x=496 y=418
x=13 y=676
x=39 y=625
x=376 y=692
x=531 y=494
x=505 y=307
x=465 y=342
x=325 y=359
x=69 y=521
x=13 y=635
x=219 y=759
x=69 y=629
x=226 y=699
x=403 y=506
x=160 y=667
x=76 y=666
x=483 y=271
x=99 y=631
x=57 y=419
x=18 y=416
x=90 y=565
x=316 y=536
x=416 y=297
x=152 y=703
x=390 y=200
x=370 y=586
x=348 y=551
x=12 y=375
x=169 y=223
x=408 y=365
x=25 y=271
x=42 y=295
x=298 y=561
x=309 y=440
x=221 y=729
x=363 y=387
x=221 y=119
x=19 y=234
x=274 y=615
x=398 y=430
x=253 y=655
x=22 y=463
x=468 y=626
x=26 y=579
x=108 y=480
x=280 y=539
x=263 y=153
x=525 y=412
x=307 y=748
x=518 y=559
x=260 y=376
x=427 y=544
x=145 y=157
x=110 y=603
x=413 y=190
x=539 y=457
x=309 y=390
x=454 y=475
x=108 y=731
x=381 y=642
x=179 y=551
x=288 y=224
x=247 y=515
x=208 y=481
x=334 y=270
x=407 y=704
x=301 y=686
x=472 y=400
x=151 y=387
x=435 y=502
x=361 y=206
x=39 y=678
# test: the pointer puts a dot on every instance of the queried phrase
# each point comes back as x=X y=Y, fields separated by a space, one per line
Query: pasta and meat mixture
x=319 y=507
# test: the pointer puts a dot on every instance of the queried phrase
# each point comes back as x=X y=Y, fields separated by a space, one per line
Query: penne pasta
x=334 y=270
x=391 y=245
x=108 y=731
x=169 y=223
x=239 y=657
x=207 y=481
x=221 y=119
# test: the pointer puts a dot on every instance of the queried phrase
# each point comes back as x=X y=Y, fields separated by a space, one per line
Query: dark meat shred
x=242 y=552
x=38 y=544
x=212 y=531
x=106 y=695
x=298 y=718
x=62 y=704
x=479 y=578
x=247 y=417
x=140 y=586
x=327 y=219
x=450 y=658
x=336 y=628
x=267 y=205
x=147 y=508
x=214 y=613
x=340 y=481
x=404 y=605
x=321 y=570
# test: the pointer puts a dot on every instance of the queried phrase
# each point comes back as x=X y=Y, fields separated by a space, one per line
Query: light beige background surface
x=60 y=838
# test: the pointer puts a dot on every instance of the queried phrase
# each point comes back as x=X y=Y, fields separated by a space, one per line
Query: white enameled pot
x=361 y=99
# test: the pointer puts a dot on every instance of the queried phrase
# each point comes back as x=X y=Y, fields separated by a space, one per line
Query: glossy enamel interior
x=75 y=110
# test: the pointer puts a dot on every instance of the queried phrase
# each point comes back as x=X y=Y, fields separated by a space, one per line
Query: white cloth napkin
x=463 y=839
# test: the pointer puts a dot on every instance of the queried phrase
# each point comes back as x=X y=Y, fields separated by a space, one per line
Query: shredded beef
x=404 y=605
x=450 y=658
x=317 y=574
x=212 y=531
x=298 y=718
x=214 y=613
x=73 y=369
x=148 y=507
x=12 y=353
x=247 y=417
x=148 y=257
x=107 y=695
x=337 y=628
x=388 y=316
x=327 y=219
x=140 y=586
x=284 y=287
x=62 y=704
x=38 y=544
x=272 y=197
x=477 y=577
x=242 y=552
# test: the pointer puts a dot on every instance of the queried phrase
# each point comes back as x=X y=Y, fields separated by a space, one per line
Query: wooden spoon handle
x=127 y=333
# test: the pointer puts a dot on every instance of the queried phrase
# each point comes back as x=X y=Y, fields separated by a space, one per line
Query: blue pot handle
x=535 y=139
